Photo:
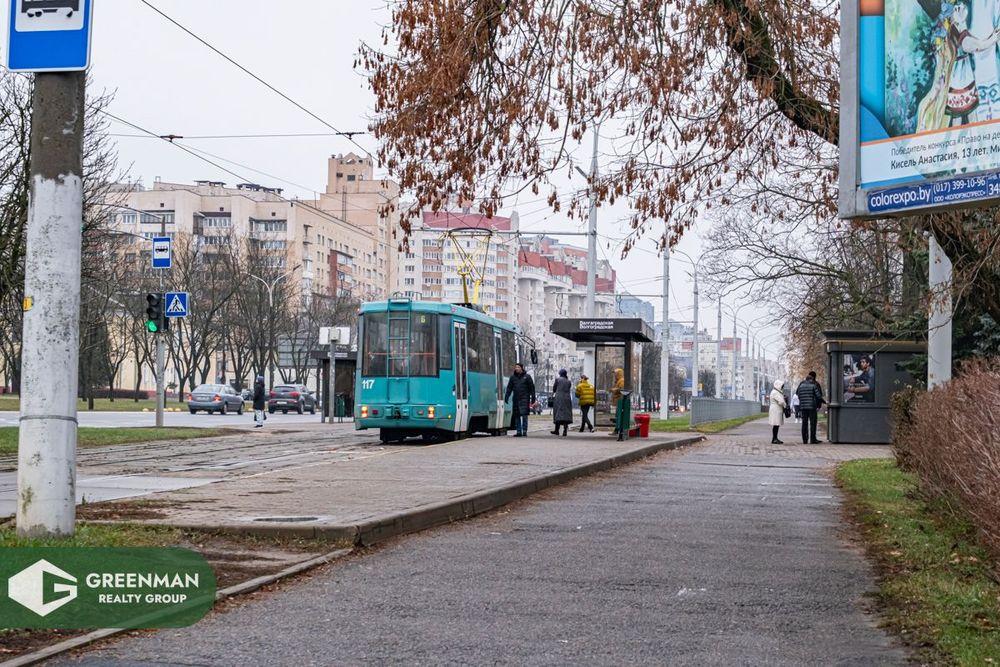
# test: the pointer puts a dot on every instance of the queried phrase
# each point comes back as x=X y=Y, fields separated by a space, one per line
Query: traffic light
x=156 y=320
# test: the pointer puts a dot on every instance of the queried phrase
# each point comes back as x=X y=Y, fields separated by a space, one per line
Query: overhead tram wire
x=247 y=71
x=202 y=137
x=242 y=178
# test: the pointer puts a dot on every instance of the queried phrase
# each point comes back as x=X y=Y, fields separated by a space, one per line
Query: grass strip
x=936 y=588
x=682 y=424
x=104 y=437
x=12 y=403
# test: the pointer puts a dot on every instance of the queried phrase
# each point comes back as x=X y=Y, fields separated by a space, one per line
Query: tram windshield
x=400 y=344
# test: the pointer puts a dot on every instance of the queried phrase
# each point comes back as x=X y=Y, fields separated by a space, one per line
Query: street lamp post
x=270 y=286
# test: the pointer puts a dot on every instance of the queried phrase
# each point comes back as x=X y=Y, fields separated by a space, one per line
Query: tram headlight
x=364 y=411
x=430 y=412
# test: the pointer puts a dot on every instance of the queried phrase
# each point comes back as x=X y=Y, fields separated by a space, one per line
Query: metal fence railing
x=715 y=409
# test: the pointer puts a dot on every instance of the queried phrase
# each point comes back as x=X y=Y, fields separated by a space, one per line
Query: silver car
x=211 y=398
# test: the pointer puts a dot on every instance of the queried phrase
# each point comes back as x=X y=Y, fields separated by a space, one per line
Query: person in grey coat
x=562 y=403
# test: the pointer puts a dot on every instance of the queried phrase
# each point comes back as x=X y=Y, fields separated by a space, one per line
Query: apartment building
x=455 y=257
x=326 y=255
x=370 y=208
x=552 y=283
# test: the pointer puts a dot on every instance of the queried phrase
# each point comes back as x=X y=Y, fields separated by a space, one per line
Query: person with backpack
x=259 y=402
x=810 y=401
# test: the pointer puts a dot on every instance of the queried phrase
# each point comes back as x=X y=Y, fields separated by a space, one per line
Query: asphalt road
x=200 y=420
x=718 y=555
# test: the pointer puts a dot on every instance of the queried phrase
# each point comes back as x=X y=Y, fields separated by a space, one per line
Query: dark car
x=211 y=398
x=295 y=397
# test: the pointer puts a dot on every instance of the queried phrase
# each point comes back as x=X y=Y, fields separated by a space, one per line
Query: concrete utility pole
x=696 y=387
x=718 y=355
x=665 y=340
x=939 y=323
x=592 y=230
x=46 y=472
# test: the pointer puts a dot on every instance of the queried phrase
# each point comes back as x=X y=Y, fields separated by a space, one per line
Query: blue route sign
x=937 y=193
x=176 y=304
x=162 y=258
x=49 y=35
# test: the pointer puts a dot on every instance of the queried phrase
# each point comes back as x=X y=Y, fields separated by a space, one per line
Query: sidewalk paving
x=728 y=553
x=394 y=490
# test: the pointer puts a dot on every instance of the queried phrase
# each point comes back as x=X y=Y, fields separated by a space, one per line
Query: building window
x=217 y=222
x=351 y=178
x=266 y=226
x=157 y=218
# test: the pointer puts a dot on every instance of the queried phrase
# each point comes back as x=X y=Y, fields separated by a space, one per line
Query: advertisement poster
x=859 y=378
x=929 y=90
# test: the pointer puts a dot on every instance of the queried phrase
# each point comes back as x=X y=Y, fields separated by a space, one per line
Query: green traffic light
x=153 y=327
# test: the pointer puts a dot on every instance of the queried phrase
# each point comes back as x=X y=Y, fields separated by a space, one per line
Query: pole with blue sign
x=52 y=39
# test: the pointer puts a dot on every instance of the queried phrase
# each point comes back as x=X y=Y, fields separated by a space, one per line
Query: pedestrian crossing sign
x=177 y=304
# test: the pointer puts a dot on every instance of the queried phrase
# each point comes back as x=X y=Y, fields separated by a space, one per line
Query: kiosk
x=864 y=370
x=616 y=343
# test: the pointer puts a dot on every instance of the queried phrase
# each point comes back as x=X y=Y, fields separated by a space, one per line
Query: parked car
x=211 y=398
x=295 y=397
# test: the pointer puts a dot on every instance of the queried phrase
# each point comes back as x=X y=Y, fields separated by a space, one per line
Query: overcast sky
x=165 y=81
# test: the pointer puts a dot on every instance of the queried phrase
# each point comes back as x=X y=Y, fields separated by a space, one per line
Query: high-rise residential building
x=370 y=206
x=630 y=306
x=337 y=245
x=327 y=255
x=552 y=283
x=460 y=257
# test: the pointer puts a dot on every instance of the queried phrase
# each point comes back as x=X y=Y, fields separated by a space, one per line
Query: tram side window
x=423 y=344
x=509 y=352
x=481 y=355
x=376 y=344
x=444 y=342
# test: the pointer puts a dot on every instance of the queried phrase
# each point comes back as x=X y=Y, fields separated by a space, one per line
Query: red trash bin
x=642 y=421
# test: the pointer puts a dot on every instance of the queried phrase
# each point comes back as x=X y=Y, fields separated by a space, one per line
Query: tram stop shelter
x=346 y=364
x=864 y=370
x=615 y=343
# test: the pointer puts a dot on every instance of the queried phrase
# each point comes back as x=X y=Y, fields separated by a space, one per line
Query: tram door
x=497 y=345
x=461 y=378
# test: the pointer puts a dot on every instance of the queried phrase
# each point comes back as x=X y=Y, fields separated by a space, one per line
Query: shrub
x=950 y=437
x=903 y=404
x=120 y=394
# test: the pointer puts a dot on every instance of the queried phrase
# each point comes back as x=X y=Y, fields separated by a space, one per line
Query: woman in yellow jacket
x=588 y=397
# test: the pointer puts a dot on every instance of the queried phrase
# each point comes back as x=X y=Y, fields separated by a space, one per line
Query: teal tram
x=434 y=370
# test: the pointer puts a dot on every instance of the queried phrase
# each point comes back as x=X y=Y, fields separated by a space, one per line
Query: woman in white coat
x=776 y=413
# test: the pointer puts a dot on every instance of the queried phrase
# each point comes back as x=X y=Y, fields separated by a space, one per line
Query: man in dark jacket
x=259 y=402
x=810 y=401
x=522 y=388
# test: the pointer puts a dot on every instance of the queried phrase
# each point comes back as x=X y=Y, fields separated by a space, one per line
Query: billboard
x=920 y=121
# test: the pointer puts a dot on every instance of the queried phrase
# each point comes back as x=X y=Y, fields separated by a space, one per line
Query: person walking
x=259 y=402
x=587 y=396
x=521 y=387
x=562 y=403
x=776 y=412
x=796 y=407
x=811 y=399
